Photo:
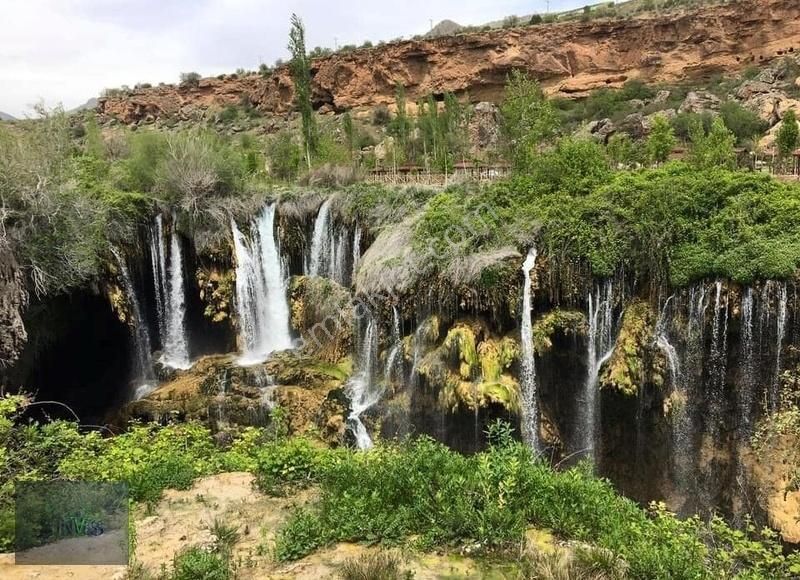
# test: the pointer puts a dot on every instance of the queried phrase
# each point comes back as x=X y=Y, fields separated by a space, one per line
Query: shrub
x=198 y=564
x=284 y=156
x=378 y=566
x=190 y=79
x=743 y=123
x=381 y=115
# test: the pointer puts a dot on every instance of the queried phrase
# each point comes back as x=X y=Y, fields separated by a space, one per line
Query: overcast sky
x=66 y=51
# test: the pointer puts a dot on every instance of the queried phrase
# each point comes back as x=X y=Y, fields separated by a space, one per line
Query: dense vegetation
x=673 y=224
x=418 y=488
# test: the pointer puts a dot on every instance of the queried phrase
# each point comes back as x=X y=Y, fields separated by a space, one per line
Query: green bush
x=198 y=564
x=423 y=489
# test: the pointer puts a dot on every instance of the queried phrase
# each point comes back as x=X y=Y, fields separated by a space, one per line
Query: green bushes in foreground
x=421 y=489
x=417 y=489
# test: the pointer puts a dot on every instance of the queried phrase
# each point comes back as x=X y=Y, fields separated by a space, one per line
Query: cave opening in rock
x=79 y=354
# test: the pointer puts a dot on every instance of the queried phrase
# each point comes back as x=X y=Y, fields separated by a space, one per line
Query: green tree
x=301 y=75
x=788 y=135
x=621 y=150
x=349 y=132
x=528 y=119
x=712 y=149
x=742 y=122
x=284 y=156
x=661 y=140
x=400 y=126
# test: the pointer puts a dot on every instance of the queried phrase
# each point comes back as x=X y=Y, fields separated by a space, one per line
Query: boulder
x=699 y=101
x=661 y=97
x=751 y=88
x=633 y=125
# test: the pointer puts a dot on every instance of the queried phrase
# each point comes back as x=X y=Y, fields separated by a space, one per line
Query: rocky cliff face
x=569 y=59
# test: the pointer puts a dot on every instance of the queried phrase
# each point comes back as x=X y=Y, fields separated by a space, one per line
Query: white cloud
x=66 y=51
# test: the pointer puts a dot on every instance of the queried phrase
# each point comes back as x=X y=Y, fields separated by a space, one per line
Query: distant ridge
x=444 y=28
x=89 y=105
x=6 y=117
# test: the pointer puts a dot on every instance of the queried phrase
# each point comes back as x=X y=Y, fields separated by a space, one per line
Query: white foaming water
x=361 y=390
x=397 y=344
x=321 y=250
x=261 y=302
x=780 y=335
x=600 y=347
x=144 y=375
x=356 y=252
x=176 y=345
x=530 y=403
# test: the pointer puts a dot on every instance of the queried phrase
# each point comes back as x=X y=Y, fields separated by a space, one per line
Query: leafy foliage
x=529 y=118
x=423 y=489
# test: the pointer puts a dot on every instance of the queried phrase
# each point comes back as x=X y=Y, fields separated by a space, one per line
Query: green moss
x=460 y=344
x=469 y=369
x=563 y=321
x=626 y=369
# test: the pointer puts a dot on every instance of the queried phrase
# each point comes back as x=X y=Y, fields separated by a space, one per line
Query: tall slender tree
x=301 y=75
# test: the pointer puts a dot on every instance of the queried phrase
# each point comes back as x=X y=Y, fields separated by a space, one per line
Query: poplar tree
x=301 y=75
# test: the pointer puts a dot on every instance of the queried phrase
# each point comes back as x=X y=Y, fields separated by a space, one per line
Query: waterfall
x=361 y=389
x=356 y=251
x=774 y=394
x=530 y=404
x=718 y=366
x=167 y=266
x=680 y=417
x=319 y=259
x=749 y=367
x=261 y=302
x=158 y=262
x=141 y=337
x=397 y=346
x=600 y=347
x=175 y=346
x=664 y=345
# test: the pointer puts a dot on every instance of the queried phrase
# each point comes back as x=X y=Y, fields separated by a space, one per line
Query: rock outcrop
x=570 y=59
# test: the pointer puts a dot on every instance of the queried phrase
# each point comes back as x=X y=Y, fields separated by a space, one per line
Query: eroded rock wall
x=570 y=59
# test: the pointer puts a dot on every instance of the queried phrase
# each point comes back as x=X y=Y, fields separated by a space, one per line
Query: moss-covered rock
x=567 y=322
x=217 y=289
x=631 y=363
x=469 y=368
x=322 y=312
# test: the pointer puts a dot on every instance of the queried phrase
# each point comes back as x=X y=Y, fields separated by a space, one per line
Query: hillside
x=569 y=59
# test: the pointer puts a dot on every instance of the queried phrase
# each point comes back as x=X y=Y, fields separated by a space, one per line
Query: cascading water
x=176 y=346
x=530 y=403
x=356 y=251
x=319 y=259
x=170 y=294
x=718 y=365
x=392 y=359
x=261 y=302
x=144 y=376
x=158 y=262
x=680 y=417
x=774 y=393
x=749 y=368
x=600 y=347
x=361 y=388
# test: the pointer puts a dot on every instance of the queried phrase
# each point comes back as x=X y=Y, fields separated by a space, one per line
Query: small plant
x=190 y=79
x=198 y=564
x=225 y=536
x=376 y=566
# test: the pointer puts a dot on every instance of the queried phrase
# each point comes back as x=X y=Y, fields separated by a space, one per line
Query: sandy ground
x=183 y=518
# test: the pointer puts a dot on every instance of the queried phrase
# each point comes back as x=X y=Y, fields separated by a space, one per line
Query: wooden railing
x=406 y=176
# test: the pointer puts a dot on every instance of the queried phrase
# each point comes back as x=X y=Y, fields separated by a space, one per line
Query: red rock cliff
x=569 y=59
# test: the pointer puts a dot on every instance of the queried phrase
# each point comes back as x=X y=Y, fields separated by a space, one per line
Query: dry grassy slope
x=569 y=59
